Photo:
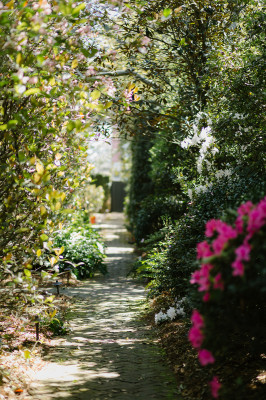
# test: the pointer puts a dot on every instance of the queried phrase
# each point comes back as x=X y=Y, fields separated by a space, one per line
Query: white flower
x=56 y=268
x=214 y=150
x=180 y=311
x=160 y=317
x=20 y=88
x=205 y=133
x=195 y=140
x=190 y=194
x=66 y=76
x=171 y=313
x=185 y=143
x=221 y=173
x=201 y=188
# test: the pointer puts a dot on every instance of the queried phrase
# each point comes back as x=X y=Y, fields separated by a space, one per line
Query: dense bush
x=154 y=210
x=171 y=262
x=140 y=182
x=231 y=283
x=43 y=144
x=83 y=250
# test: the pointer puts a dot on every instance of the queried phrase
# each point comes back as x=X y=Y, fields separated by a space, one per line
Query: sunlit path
x=110 y=353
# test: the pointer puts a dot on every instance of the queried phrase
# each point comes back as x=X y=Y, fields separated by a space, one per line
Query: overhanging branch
x=125 y=72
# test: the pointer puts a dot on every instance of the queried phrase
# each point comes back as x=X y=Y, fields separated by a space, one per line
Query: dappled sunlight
x=118 y=250
x=109 y=354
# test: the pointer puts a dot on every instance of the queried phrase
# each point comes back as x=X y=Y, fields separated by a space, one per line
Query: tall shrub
x=231 y=285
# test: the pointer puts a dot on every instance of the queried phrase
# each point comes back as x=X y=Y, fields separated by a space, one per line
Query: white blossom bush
x=173 y=312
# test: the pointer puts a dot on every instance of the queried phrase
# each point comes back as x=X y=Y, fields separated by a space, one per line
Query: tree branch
x=128 y=71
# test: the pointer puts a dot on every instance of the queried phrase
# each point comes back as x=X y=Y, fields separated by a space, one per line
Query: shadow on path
x=110 y=354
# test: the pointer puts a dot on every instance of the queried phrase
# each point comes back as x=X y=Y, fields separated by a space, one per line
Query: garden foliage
x=206 y=157
x=83 y=250
x=47 y=106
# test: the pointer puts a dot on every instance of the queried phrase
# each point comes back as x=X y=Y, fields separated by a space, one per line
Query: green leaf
x=79 y=8
x=27 y=273
x=89 y=53
x=70 y=126
x=49 y=299
x=78 y=124
x=27 y=354
x=21 y=156
x=3 y=127
x=68 y=211
x=95 y=94
x=12 y=122
x=44 y=237
x=31 y=91
x=167 y=12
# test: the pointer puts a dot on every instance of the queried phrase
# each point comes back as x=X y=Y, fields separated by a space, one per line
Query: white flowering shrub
x=174 y=312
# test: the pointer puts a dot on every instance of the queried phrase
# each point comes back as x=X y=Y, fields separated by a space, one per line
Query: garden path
x=111 y=353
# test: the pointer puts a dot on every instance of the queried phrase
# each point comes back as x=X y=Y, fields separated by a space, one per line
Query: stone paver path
x=110 y=353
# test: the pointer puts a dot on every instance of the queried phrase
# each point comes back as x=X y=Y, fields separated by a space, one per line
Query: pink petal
x=215 y=385
x=197 y=319
x=203 y=250
x=206 y=357
x=195 y=337
x=238 y=268
x=218 y=282
x=206 y=297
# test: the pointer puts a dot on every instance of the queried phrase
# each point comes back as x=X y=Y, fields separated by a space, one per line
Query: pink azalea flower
x=195 y=337
x=206 y=357
x=206 y=297
x=215 y=386
x=203 y=250
x=238 y=268
x=195 y=277
x=239 y=224
x=243 y=252
x=218 y=282
x=218 y=245
x=245 y=208
x=204 y=284
x=257 y=219
x=212 y=226
x=202 y=277
x=197 y=319
x=226 y=231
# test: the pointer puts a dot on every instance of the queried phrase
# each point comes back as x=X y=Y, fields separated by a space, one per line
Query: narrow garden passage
x=110 y=353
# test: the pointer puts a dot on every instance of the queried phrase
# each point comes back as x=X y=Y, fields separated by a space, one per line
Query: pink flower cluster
x=195 y=334
x=196 y=338
x=225 y=233
x=250 y=220
x=255 y=218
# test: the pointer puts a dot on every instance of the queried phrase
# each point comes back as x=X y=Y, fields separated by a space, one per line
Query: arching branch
x=125 y=72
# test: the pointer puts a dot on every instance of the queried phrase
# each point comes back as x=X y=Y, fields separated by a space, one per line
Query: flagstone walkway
x=111 y=353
